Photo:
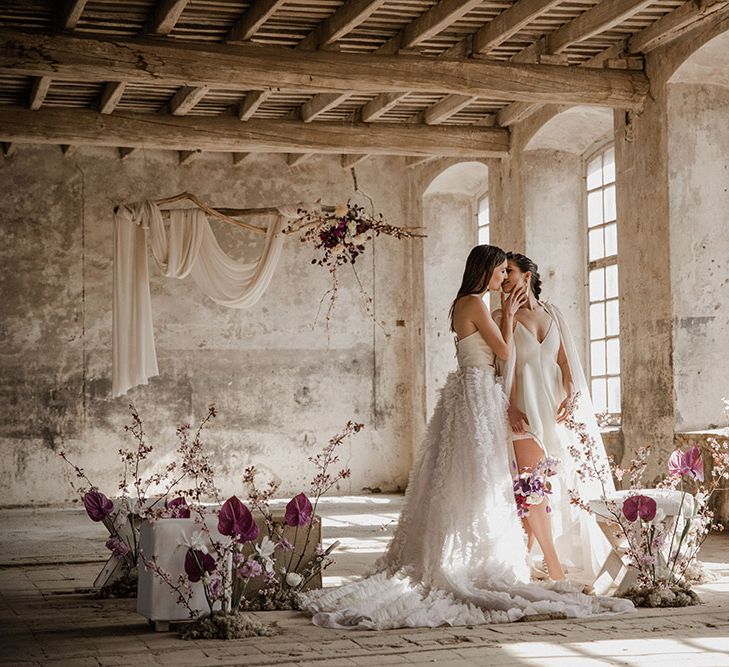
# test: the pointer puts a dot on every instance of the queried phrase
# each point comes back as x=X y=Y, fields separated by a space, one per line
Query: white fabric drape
x=188 y=248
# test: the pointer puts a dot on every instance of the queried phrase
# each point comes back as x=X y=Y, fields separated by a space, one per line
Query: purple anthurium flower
x=198 y=563
x=236 y=520
x=639 y=506
x=178 y=508
x=97 y=505
x=688 y=463
x=299 y=511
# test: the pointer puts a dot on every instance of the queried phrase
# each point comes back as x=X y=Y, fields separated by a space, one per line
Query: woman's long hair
x=480 y=265
x=525 y=264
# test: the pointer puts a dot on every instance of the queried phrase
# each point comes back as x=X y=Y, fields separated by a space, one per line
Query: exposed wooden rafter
x=9 y=148
x=248 y=24
x=186 y=157
x=227 y=134
x=125 y=152
x=673 y=25
x=71 y=13
x=508 y=23
x=111 y=95
x=603 y=16
x=185 y=99
x=251 y=102
x=165 y=17
x=343 y=21
x=41 y=84
x=245 y=68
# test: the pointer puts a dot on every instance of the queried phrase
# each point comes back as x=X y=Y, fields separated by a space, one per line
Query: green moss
x=228 y=626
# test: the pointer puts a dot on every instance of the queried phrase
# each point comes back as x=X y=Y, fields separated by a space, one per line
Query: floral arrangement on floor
x=532 y=487
x=242 y=570
x=133 y=502
x=339 y=237
x=662 y=550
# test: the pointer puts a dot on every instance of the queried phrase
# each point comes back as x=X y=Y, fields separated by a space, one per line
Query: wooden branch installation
x=227 y=134
x=245 y=68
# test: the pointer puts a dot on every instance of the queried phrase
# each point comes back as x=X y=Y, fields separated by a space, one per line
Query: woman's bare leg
x=528 y=453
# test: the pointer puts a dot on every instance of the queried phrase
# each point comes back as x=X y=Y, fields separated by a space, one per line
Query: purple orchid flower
x=198 y=563
x=236 y=520
x=639 y=506
x=299 y=511
x=97 y=505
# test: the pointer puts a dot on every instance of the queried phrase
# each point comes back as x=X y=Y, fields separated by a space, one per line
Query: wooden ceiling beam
x=186 y=98
x=294 y=159
x=111 y=95
x=494 y=33
x=186 y=157
x=421 y=28
x=509 y=22
x=676 y=23
x=227 y=134
x=73 y=58
x=71 y=13
x=343 y=21
x=165 y=17
x=378 y=107
x=41 y=84
x=249 y=24
x=9 y=148
x=126 y=152
x=603 y=16
x=251 y=102
x=447 y=107
x=519 y=111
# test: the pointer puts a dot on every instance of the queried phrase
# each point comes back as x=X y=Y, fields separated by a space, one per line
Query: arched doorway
x=451 y=204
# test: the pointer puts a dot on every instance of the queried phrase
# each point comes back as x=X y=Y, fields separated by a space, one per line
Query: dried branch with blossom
x=343 y=237
x=663 y=550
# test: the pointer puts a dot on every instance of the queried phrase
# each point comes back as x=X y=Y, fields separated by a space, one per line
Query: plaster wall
x=698 y=172
x=555 y=237
x=451 y=228
x=281 y=387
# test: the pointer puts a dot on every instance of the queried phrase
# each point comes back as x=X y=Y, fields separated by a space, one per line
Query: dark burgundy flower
x=178 y=508
x=639 y=506
x=198 y=563
x=236 y=520
x=97 y=505
x=299 y=511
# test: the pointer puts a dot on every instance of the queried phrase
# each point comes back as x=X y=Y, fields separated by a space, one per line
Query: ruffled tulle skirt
x=458 y=556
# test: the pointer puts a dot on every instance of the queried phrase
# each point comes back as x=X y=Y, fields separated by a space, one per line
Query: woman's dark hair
x=525 y=264
x=480 y=265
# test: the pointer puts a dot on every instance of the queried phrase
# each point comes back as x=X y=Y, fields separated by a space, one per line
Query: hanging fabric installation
x=188 y=248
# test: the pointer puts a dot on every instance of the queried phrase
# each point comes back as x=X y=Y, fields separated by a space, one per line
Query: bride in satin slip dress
x=540 y=377
x=458 y=556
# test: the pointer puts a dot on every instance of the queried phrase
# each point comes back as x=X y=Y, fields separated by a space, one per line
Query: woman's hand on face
x=517 y=419
x=515 y=300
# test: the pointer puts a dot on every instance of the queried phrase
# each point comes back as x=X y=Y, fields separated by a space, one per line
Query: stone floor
x=48 y=559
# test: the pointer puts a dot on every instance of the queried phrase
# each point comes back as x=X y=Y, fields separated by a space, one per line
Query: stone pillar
x=645 y=280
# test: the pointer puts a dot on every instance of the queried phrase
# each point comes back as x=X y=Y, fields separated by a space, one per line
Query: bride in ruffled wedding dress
x=459 y=553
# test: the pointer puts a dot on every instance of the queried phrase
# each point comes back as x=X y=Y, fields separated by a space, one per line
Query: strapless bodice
x=473 y=350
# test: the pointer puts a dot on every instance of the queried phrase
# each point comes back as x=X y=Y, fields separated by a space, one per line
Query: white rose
x=534 y=499
x=341 y=210
x=352 y=227
x=293 y=579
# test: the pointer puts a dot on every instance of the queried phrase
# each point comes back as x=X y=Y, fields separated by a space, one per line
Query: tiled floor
x=49 y=557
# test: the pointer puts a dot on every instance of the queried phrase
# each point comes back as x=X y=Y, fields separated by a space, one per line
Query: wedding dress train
x=458 y=556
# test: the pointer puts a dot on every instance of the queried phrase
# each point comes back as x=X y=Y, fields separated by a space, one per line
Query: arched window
x=602 y=267
x=482 y=219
